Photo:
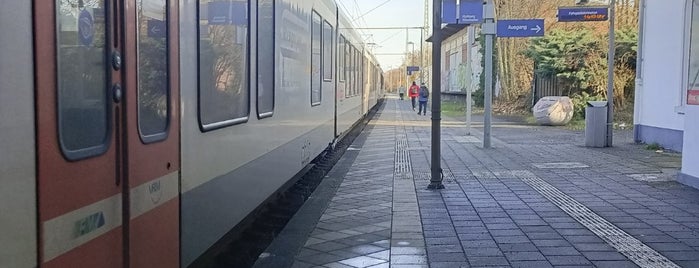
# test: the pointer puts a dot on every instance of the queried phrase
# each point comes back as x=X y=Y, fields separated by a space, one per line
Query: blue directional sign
x=448 y=11
x=157 y=29
x=470 y=12
x=412 y=69
x=520 y=28
x=567 y=14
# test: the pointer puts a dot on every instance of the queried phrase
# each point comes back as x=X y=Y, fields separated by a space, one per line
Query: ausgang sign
x=520 y=28
x=568 y=14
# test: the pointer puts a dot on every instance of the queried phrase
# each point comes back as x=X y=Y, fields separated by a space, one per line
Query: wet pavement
x=538 y=198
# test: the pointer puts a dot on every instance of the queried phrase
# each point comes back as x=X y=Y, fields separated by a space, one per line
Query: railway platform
x=538 y=198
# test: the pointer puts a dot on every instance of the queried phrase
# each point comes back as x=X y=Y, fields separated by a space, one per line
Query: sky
x=387 y=13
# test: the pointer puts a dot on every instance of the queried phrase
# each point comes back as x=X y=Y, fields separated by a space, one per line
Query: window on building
x=316 y=55
x=223 y=64
x=692 y=94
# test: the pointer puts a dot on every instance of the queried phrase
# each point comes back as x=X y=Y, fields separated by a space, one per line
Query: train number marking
x=89 y=224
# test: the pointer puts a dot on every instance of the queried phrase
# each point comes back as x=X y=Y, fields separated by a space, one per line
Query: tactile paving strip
x=632 y=248
x=403 y=168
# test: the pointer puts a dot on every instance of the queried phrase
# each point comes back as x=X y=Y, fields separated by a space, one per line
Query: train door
x=107 y=133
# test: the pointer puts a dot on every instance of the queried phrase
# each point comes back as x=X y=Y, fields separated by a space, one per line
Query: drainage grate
x=561 y=165
x=632 y=248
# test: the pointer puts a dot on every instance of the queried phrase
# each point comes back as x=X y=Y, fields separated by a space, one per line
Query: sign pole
x=436 y=174
x=469 y=107
x=489 y=31
x=610 y=79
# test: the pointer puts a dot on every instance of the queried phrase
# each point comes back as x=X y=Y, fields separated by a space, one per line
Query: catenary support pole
x=407 y=60
x=610 y=79
x=436 y=178
x=422 y=56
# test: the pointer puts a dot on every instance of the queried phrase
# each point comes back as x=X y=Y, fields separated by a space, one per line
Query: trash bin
x=596 y=124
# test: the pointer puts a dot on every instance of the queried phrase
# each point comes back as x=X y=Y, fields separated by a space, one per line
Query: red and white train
x=137 y=133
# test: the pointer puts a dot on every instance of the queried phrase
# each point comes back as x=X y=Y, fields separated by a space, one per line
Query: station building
x=667 y=84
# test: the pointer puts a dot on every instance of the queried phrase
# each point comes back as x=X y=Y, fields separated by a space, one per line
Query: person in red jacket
x=413 y=93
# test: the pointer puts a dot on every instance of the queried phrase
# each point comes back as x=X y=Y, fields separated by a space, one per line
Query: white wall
x=452 y=45
x=690 y=153
x=663 y=65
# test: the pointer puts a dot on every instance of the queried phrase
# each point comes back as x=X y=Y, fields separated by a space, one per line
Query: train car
x=18 y=201
x=349 y=89
x=232 y=162
x=140 y=133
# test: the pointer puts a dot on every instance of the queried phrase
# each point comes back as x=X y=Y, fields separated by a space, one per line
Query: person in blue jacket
x=423 y=96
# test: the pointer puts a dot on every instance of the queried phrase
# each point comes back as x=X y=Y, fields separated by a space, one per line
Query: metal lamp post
x=436 y=165
x=610 y=79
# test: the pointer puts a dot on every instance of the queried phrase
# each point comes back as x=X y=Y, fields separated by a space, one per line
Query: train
x=138 y=133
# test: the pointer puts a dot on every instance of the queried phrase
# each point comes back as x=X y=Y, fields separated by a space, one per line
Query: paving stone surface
x=538 y=198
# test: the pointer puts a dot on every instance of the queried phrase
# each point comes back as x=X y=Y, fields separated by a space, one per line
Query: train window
x=316 y=54
x=358 y=72
x=84 y=124
x=265 y=58
x=362 y=75
x=355 y=70
x=353 y=67
x=348 y=68
x=223 y=63
x=153 y=86
x=327 y=51
x=341 y=58
x=352 y=72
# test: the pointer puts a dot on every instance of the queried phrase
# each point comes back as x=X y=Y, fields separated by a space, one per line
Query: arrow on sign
x=537 y=29
x=520 y=28
x=157 y=29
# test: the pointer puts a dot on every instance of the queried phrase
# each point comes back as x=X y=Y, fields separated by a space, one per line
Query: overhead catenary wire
x=371 y=10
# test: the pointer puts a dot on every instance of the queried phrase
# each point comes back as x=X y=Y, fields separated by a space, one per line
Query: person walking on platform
x=413 y=93
x=424 y=94
x=401 y=92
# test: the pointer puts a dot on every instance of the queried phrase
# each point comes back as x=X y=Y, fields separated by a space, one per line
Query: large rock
x=553 y=111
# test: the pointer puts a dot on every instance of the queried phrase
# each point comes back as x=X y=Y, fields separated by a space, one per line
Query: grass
x=457 y=109
x=654 y=147
x=576 y=124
